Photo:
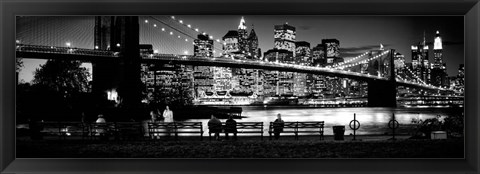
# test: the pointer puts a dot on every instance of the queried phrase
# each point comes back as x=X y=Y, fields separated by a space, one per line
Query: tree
x=19 y=64
x=63 y=76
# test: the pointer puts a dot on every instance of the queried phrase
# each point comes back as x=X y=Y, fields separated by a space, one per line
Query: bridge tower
x=383 y=93
x=122 y=77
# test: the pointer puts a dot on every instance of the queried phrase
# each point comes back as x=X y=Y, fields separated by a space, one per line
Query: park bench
x=47 y=128
x=102 y=130
x=155 y=129
x=299 y=127
x=241 y=127
x=73 y=129
x=214 y=128
x=167 y=128
x=250 y=127
x=189 y=128
x=128 y=130
x=63 y=129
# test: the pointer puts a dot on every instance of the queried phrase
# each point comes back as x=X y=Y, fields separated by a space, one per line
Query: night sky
x=356 y=34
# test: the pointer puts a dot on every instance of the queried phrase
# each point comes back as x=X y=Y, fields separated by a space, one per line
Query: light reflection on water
x=372 y=120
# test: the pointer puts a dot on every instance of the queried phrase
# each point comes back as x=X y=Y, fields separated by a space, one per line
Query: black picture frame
x=11 y=8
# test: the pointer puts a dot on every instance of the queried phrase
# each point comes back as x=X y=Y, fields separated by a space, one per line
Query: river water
x=372 y=120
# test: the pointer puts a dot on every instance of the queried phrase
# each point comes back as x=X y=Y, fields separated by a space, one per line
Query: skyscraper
x=231 y=45
x=242 y=36
x=420 y=63
x=331 y=50
x=252 y=46
x=461 y=78
x=318 y=55
x=284 y=38
x=439 y=75
x=302 y=52
x=203 y=46
x=203 y=75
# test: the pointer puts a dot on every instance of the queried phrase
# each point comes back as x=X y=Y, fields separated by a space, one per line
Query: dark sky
x=355 y=33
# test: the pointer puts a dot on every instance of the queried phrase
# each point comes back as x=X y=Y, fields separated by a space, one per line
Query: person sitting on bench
x=231 y=127
x=278 y=126
x=215 y=126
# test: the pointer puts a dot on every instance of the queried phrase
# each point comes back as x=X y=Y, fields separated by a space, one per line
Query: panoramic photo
x=238 y=86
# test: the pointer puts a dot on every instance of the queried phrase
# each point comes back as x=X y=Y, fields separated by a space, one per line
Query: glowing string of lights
x=364 y=61
x=414 y=75
x=181 y=22
x=146 y=21
x=350 y=60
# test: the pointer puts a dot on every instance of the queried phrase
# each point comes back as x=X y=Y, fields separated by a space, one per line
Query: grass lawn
x=245 y=147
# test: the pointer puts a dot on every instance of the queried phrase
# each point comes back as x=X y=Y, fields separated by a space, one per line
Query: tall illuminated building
x=332 y=53
x=302 y=53
x=231 y=44
x=318 y=55
x=439 y=75
x=303 y=57
x=253 y=52
x=202 y=75
x=242 y=36
x=203 y=46
x=420 y=65
x=399 y=61
x=284 y=38
x=461 y=78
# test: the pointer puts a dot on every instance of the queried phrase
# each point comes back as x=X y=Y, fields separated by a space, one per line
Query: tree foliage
x=63 y=76
x=18 y=64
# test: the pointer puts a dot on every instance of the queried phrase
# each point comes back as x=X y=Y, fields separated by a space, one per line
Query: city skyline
x=352 y=43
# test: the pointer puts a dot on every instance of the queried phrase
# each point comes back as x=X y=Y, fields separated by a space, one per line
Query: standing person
x=215 y=126
x=153 y=119
x=168 y=117
x=83 y=119
x=278 y=125
x=231 y=127
x=153 y=116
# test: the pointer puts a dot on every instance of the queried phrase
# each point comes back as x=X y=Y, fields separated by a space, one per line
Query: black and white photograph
x=240 y=86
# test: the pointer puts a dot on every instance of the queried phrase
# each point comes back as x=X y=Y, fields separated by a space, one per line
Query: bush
x=452 y=125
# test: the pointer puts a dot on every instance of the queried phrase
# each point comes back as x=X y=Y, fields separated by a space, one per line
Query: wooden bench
x=250 y=127
x=63 y=129
x=128 y=130
x=73 y=129
x=158 y=128
x=155 y=129
x=47 y=128
x=189 y=128
x=102 y=130
x=214 y=128
x=241 y=127
x=298 y=127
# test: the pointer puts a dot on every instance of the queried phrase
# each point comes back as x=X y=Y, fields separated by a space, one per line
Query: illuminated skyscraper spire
x=242 y=25
x=424 y=38
x=438 y=42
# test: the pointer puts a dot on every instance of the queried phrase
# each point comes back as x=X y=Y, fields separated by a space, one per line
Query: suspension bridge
x=120 y=50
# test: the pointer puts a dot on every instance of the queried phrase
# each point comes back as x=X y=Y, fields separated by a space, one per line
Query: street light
x=118 y=44
x=68 y=44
